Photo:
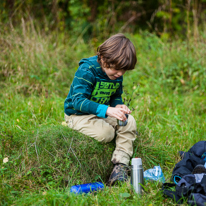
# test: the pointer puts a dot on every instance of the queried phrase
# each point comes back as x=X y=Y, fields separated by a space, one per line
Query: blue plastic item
x=86 y=188
x=155 y=174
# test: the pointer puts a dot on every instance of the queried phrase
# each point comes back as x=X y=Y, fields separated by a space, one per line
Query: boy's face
x=113 y=73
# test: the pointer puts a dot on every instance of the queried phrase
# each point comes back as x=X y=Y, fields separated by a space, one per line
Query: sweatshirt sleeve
x=82 y=87
x=117 y=97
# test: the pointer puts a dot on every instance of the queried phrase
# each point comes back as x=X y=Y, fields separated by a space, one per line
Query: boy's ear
x=102 y=61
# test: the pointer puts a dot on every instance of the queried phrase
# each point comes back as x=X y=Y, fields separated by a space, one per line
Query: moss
x=59 y=156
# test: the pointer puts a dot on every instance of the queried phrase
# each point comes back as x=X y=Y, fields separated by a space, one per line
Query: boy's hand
x=124 y=107
x=118 y=112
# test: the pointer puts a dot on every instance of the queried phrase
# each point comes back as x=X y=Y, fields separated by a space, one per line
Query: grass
x=46 y=158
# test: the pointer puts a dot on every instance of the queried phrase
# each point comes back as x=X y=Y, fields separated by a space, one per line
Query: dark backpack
x=191 y=188
x=189 y=161
x=186 y=186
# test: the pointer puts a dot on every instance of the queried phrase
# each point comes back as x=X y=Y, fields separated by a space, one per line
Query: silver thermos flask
x=137 y=177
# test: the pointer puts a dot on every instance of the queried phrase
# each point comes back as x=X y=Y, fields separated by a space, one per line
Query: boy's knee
x=106 y=134
x=132 y=122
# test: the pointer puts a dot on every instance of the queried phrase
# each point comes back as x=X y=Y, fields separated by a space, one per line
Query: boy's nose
x=120 y=73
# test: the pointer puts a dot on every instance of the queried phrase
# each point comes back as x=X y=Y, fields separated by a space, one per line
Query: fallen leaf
x=64 y=123
x=5 y=160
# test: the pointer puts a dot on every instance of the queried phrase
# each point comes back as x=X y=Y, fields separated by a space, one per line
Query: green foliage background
x=41 y=43
x=98 y=19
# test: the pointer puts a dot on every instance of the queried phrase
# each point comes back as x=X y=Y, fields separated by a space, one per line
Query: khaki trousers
x=104 y=130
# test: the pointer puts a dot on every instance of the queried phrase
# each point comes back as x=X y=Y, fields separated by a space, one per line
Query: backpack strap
x=172 y=194
x=168 y=185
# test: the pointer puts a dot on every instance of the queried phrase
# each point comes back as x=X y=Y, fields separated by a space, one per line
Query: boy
x=94 y=102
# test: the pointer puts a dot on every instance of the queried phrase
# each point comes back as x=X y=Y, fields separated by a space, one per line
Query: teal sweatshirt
x=92 y=91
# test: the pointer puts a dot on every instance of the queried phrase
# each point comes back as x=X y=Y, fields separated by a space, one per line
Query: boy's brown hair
x=117 y=52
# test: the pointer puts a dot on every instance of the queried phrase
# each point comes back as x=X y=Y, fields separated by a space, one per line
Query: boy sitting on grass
x=94 y=102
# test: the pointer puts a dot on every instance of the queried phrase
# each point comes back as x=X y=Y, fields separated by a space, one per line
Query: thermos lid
x=136 y=161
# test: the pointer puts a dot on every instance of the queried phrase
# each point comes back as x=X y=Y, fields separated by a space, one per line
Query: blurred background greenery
x=98 y=19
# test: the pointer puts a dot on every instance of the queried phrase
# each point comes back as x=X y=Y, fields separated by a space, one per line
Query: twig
x=36 y=147
x=70 y=148
x=20 y=128
x=76 y=157
x=67 y=141
x=70 y=145
x=130 y=20
x=50 y=153
x=160 y=8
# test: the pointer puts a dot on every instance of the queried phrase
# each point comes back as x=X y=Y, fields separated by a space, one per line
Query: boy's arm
x=82 y=87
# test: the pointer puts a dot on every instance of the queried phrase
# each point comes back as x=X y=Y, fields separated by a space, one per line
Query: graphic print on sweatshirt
x=103 y=91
